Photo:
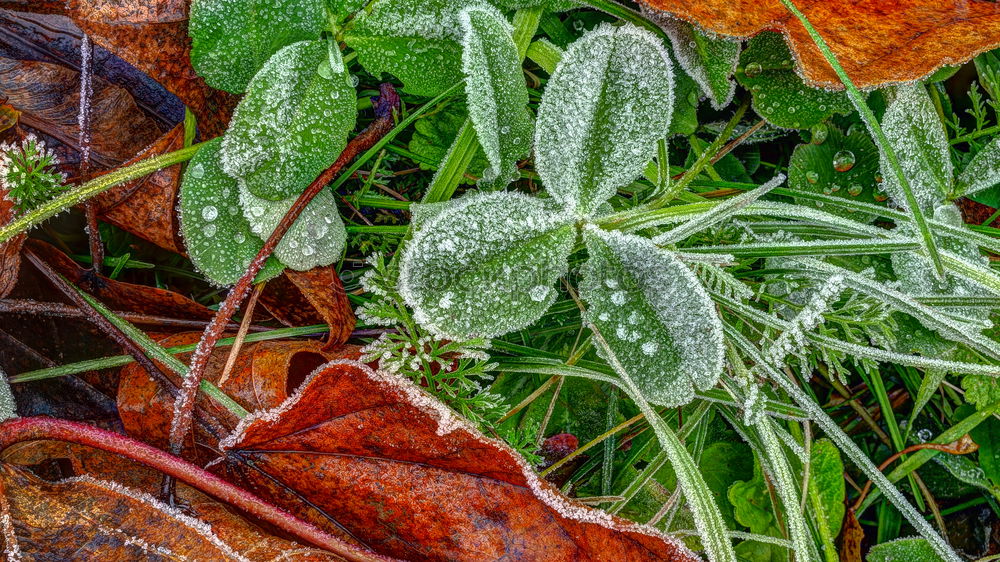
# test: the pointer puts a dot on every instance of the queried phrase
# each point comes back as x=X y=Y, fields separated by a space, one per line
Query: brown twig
x=385 y=108
x=19 y=430
x=234 y=351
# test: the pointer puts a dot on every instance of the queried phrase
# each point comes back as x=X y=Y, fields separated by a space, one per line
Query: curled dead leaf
x=316 y=296
x=877 y=41
x=371 y=456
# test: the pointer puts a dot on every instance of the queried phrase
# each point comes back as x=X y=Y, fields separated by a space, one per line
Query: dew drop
x=538 y=293
x=812 y=176
x=753 y=70
x=843 y=160
x=650 y=347
x=819 y=133
x=197 y=171
x=209 y=212
x=324 y=70
x=693 y=98
x=855 y=189
x=209 y=230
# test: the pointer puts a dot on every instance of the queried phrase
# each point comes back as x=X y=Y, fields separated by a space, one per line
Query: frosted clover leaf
x=486 y=265
x=216 y=234
x=293 y=123
x=27 y=172
x=608 y=102
x=498 y=97
x=915 y=132
x=659 y=325
x=315 y=239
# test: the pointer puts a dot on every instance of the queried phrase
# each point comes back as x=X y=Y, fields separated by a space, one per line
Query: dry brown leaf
x=317 y=296
x=877 y=41
x=10 y=251
x=88 y=518
x=372 y=456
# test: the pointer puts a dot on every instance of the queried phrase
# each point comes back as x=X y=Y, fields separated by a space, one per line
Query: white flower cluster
x=27 y=176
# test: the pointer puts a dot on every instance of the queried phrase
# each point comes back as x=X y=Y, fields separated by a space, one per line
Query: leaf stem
x=873 y=125
x=19 y=430
x=93 y=187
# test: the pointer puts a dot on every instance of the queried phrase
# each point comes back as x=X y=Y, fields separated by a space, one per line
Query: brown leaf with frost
x=371 y=456
x=88 y=518
x=877 y=41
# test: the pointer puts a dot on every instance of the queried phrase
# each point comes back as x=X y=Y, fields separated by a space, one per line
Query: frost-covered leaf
x=487 y=265
x=903 y=550
x=433 y=136
x=827 y=471
x=317 y=237
x=293 y=123
x=608 y=101
x=779 y=94
x=684 y=120
x=983 y=172
x=216 y=235
x=837 y=164
x=496 y=92
x=232 y=39
x=709 y=60
x=917 y=136
x=415 y=40
x=660 y=326
x=8 y=409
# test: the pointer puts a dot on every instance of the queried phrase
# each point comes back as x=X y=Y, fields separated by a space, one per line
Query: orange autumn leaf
x=877 y=41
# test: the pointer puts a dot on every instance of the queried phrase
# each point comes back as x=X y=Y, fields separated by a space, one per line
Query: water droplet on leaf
x=843 y=160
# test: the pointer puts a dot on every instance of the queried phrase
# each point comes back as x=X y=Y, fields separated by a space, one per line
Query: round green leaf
x=608 y=102
x=293 y=122
x=217 y=236
x=660 y=327
x=486 y=265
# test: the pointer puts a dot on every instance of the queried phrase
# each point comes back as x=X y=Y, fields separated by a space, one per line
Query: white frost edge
x=447 y=422
x=199 y=526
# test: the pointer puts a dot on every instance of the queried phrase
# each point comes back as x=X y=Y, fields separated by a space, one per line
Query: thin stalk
x=20 y=430
x=94 y=187
x=869 y=118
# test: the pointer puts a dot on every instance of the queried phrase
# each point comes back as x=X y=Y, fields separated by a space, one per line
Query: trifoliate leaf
x=608 y=101
x=293 y=122
x=216 y=235
x=486 y=265
x=415 y=40
x=839 y=165
x=983 y=172
x=660 y=326
x=779 y=94
x=917 y=136
x=903 y=550
x=232 y=39
x=496 y=92
x=315 y=239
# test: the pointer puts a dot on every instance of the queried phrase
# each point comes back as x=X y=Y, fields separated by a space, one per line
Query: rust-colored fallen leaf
x=48 y=96
x=317 y=296
x=89 y=519
x=851 y=535
x=119 y=295
x=371 y=455
x=145 y=207
x=265 y=375
x=250 y=541
x=877 y=41
x=10 y=251
x=151 y=36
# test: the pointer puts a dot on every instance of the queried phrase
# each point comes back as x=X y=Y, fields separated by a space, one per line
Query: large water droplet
x=753 y=70
x=324 y=70
x=855 y=189
x=812 y=176
x=843 y=160
x=209 y=230
x=209 y=212
x=197 y=171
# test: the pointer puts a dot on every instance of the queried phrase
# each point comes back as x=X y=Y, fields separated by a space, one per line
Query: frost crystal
x=220 y=243
x=916 y=135
x=660 y=325
x=607 y=103
x=496 y=92
x=983 y=172
x=292 y=124
x=474 y=268
x=316 y=239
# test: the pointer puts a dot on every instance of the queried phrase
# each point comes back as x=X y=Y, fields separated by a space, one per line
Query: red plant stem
x=86 y=93
x=39 y=428
x=385 y=106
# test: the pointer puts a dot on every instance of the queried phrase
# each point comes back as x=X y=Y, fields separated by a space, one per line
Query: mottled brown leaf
x=877 y=41
x=90 y=517
x=10 y=251
x=316 y=296
x=370 y=454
